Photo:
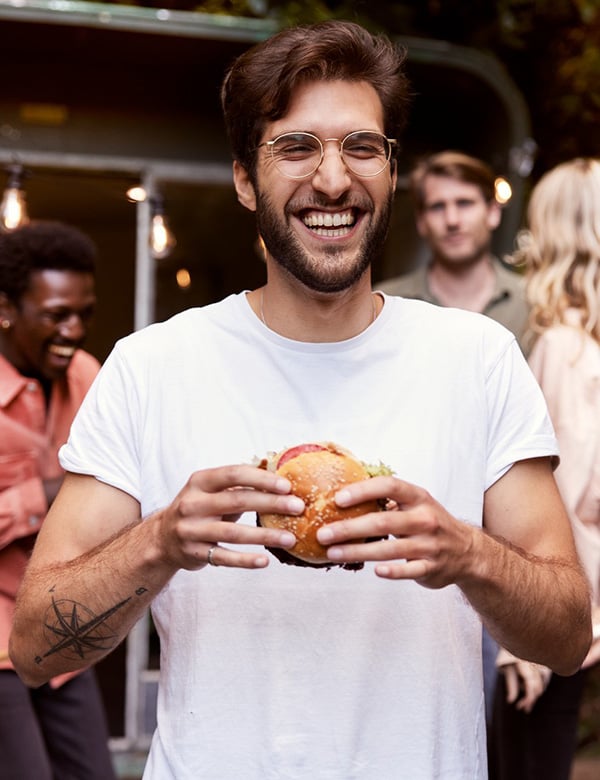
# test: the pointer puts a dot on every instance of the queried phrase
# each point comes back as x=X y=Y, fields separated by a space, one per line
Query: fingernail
x=295 y=504
x=342 y=497
x=287 y=539
x=324 y=534
x=282 y=485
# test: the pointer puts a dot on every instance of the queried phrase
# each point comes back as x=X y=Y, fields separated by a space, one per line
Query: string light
x=13 y=209
x=503 y=190
x=184 y=278
x=162 y=241
x=136 y=194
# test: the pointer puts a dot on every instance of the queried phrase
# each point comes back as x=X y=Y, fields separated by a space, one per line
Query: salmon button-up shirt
x=31 y=434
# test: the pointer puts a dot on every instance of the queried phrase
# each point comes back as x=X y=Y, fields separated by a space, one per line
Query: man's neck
x=464 y=286
x=311 y=318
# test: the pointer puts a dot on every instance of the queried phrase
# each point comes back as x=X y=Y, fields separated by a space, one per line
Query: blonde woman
x=536 y=713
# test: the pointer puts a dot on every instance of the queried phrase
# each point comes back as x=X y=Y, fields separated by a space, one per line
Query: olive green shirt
x=508 y=304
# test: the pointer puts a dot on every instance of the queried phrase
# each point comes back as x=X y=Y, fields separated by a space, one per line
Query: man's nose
x=452 y=215
x=72 y=328
x=332 y=176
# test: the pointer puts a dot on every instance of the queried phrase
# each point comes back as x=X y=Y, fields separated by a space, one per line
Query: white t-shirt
x=300 y=673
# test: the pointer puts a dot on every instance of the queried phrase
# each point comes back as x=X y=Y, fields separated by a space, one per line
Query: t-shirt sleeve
x=104 y=437
x=519 y=426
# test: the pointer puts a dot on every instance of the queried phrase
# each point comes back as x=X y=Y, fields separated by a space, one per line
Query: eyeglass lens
x=297 y=155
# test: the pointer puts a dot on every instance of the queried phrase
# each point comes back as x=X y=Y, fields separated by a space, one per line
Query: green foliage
x=552 y=49
x=230 y=7
x=297 y=12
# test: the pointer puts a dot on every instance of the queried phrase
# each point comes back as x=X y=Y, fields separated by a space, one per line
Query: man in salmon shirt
x=47 y=301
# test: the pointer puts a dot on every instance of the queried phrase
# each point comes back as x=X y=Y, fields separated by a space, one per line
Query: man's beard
x=286 y=249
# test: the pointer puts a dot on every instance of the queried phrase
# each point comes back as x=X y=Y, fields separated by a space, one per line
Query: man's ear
x=494 y=215
x=7 y=307
x=243 y=186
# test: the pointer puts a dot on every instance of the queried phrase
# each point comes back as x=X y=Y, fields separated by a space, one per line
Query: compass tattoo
x=75 y=631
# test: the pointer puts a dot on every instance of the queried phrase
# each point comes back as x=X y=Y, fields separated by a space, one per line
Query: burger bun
x=316 y=474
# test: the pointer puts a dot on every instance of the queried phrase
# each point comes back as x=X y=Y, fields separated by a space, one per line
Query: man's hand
x=96 y=554
x=204 y=514
x=424 y=542
x=525 y=681
x=520 y=572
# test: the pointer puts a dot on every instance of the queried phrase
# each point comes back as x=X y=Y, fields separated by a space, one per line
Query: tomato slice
x=299 y=450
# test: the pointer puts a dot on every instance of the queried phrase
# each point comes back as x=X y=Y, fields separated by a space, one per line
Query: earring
x=6 y=324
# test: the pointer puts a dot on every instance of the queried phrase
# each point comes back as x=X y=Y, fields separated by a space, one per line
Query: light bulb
x=13 y=209
x=136 y=194
x=184 y=278
x=503 y=190
x=162 y=241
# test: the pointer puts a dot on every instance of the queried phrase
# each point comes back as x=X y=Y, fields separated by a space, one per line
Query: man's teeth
x=326 y=219
x=321 y=219
x=61 y=351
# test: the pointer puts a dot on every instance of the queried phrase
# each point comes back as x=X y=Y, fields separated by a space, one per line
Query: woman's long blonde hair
x=561 y=249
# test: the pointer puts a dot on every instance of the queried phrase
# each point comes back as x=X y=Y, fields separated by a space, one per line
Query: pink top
x=30 y=436
x=566 y=362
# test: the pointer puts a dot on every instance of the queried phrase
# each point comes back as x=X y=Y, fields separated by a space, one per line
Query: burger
x=316 y=472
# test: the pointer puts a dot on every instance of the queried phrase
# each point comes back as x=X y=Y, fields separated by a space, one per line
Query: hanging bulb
x=13 y=210
x=183 y=278
x=162 y=240
x=502 y=191
x=136 y=194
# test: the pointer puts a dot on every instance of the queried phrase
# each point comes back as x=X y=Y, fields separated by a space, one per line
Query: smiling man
x=319 y=228
x=47 y=300
x=369 y=668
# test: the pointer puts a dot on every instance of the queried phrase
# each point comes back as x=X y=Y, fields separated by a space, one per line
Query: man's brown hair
x=258 y=86
x=454 y=165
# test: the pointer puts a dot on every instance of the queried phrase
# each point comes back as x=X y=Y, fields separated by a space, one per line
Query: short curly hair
x=39 y=246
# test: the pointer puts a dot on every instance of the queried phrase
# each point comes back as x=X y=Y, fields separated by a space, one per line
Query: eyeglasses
x=298 y=155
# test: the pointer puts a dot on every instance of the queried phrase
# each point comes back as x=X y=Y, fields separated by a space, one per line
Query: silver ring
x=209 y=555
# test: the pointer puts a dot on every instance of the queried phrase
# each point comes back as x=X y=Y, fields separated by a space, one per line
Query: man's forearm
x=537 y=608
x=70 y=615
